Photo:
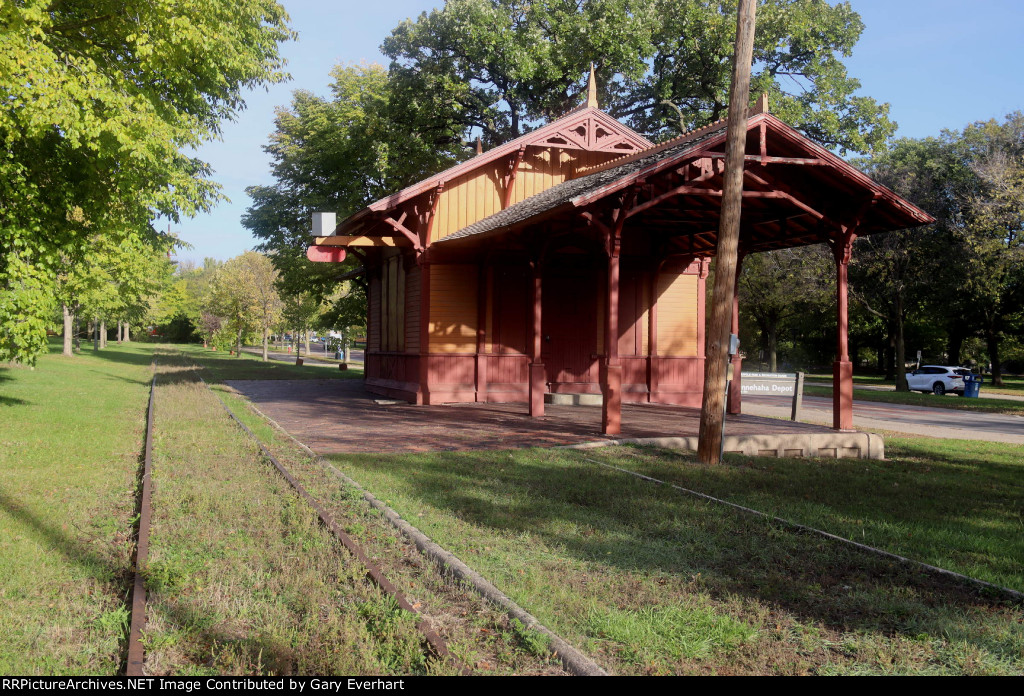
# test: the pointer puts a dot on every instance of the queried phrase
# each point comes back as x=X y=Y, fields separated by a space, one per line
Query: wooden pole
x=711 y=415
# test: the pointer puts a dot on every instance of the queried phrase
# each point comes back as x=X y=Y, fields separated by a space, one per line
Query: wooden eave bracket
x=401 y=229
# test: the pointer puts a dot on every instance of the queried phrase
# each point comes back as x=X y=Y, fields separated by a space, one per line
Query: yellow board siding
x=677 y=315
x=478 y=194
x=412 y=310
x=453 y=310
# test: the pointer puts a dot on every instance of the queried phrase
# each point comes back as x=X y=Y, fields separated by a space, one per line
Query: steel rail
x=376 y=574
x=136 y=650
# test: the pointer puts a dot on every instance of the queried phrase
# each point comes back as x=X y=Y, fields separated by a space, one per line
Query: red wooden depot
x=573 y=260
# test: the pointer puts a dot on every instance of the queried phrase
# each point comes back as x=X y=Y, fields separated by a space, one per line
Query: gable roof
x=583 y=128
x=616 y=175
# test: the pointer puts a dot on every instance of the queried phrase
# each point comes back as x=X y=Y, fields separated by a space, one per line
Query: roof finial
x=479 y=146
x=592 y=89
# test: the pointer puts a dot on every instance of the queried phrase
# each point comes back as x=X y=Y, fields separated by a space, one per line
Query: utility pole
x=712 y=413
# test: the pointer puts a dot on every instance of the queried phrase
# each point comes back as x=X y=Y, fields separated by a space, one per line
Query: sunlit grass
x=652 y=581
x=71 y=431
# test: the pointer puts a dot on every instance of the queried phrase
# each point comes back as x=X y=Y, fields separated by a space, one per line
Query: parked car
x=938 y=379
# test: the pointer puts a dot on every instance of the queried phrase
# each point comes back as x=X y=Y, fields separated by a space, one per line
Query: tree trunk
x=127 y=333
x=901 y=348
x=238 y=344
x=103 y=333
x=890 y=354
x=773 y=343
x=305 y=339
x=69 y=330
x=266 y=343
x=992 y=343
x=74 y=331
x=955 y=345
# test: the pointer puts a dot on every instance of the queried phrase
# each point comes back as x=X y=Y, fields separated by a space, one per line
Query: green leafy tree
x=99 y=101
x=501 y=66
x=991 y=230
x=244 y=293
x=336 y=154
x=905 y=273
x=776 y=287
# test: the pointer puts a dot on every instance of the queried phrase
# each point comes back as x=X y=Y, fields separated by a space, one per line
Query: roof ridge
x=654 y=148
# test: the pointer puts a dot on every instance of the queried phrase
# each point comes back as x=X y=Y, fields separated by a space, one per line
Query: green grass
x=243 y=578
x=70 y=435
x=950 y=401
x=481 y=636
x=652 y=581
x=957 y=504
x=221 y=367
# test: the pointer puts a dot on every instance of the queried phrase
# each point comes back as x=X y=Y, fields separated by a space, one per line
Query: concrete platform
x=339 y=416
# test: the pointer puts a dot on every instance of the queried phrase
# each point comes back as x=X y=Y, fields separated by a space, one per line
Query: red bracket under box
x=325 y=254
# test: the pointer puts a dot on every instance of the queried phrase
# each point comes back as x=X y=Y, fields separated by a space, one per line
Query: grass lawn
x=71 y=431
x=242 y=578
x=246 y=582
x=651 y=581
x=221 y=366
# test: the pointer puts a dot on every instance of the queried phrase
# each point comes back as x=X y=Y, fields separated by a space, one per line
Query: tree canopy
x=503 y=65
x=100 y=100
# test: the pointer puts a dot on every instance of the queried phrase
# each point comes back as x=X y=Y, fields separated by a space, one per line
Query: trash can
x=972 y=385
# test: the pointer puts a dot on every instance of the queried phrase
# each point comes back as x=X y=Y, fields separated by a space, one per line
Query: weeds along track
x=243 y=574
x=375 y=573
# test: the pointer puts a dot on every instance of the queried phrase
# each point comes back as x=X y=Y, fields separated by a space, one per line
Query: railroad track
x=135 y=664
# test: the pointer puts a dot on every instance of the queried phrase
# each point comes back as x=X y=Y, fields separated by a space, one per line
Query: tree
x=897 y=274
x=992 y=228
x=244 y=293
x=778 y=286
x=501 y=66
x=335 y=154
x=99 y=100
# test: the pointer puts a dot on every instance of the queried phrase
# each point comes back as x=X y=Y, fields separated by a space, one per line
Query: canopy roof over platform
x=795 y=193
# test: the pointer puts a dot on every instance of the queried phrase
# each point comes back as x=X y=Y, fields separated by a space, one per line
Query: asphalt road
x=914 y=420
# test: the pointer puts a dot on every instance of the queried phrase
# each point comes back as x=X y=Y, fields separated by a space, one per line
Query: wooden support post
x=423 y=390
x=611 y=368
x=735 y=402
x=481 y=332
x=712 y=416
x=652 y=338
x=842 y=369
x=536 y=366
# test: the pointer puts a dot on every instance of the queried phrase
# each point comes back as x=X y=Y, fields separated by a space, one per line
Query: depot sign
x=767 y=383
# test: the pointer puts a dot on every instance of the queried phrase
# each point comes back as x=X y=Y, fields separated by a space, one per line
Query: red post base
x=536 y=389
x=611 y=405
x=842 y=395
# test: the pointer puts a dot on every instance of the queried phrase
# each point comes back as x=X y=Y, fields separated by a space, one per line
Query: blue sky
x=939 y=63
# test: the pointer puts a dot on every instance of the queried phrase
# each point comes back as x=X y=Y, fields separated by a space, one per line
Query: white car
x=938 y=379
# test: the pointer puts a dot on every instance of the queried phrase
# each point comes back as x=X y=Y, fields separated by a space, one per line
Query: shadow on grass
x=635 y=528
x=252 y=649
x=9 y=400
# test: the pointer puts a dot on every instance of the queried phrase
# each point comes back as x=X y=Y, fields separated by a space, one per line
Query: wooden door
x=569 y=322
